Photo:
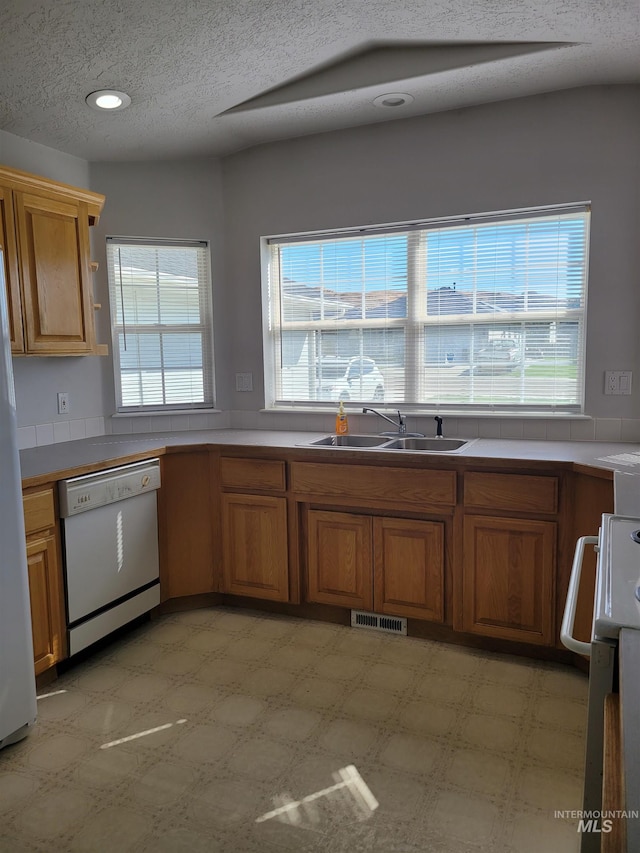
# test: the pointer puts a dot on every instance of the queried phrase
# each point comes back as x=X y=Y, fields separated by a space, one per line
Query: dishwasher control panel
x=81 y=494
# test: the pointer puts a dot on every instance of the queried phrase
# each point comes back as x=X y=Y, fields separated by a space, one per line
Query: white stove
x=617 y=602
x=616 y=607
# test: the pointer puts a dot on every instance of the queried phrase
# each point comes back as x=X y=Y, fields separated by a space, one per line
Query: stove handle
x=566 y=631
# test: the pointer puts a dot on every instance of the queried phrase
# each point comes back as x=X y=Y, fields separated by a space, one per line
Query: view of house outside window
x=481 y=312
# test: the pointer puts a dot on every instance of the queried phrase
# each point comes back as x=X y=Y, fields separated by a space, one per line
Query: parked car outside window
x=501 y=355
x=360 y=380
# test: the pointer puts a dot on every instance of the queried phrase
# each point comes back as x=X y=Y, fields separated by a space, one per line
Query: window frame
x=420 y=318
x=204 y=328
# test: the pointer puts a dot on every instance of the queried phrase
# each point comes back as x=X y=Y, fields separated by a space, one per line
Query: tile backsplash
x=542 y=429
x=34 y=436
x=53 y=433
x=550 y=429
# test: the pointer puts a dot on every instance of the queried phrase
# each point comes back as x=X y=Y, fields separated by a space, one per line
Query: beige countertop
x=56 y=461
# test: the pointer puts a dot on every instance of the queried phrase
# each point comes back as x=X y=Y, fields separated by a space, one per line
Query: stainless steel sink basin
x=432 y=445
x=396 y=434
x=349 y=441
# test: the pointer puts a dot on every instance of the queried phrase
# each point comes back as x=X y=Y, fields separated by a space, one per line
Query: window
x=475 y=313
x=160 y=296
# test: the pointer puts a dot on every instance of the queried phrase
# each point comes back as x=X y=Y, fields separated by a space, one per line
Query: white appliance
x=17 y=680
x=110 y=537
x=616 y=607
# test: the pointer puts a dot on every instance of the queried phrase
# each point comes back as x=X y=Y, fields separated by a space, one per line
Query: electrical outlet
x=617 y=382
x=611 y=382
x=63 y=402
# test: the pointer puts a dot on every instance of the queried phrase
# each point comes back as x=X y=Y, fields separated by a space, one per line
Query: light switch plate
x=244 y=381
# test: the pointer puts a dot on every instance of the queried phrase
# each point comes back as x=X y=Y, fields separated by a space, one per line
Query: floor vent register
x=375 y=622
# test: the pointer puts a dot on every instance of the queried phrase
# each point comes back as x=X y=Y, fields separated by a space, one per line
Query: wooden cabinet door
x=409 y=568
x=53 y=236
x=11 y=274
x=508 y=578
x=339 y=567
x=47 y=616
x=185 y=529
x=254 y=546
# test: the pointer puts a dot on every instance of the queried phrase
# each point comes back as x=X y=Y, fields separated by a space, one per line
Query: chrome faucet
x=402 y=425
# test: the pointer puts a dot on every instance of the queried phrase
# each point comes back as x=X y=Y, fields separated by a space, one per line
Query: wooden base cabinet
x=45 y=579
x=409 y=568
x=393 y=566
x=185 y=525
x=508 y=578
x=339 y=568
x=44 y=591
x=255 y=549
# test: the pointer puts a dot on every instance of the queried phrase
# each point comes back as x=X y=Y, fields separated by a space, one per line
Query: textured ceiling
x=215 y=76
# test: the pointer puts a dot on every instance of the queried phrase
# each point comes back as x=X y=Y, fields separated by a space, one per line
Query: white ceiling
x=196 y=70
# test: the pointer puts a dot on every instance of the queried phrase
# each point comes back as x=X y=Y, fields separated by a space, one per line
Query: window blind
x=160 y=295
x=484 y=313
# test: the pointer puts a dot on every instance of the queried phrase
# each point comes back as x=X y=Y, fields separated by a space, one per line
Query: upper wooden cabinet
x=8 y=244
x=44 y=236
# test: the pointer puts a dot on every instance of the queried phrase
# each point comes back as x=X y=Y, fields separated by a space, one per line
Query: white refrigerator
x=17 y=681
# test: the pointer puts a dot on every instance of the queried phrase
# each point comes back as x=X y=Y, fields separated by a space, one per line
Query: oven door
x=602 y=663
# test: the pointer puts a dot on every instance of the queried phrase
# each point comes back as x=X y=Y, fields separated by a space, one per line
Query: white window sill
x=457 y=413
x=167 y=412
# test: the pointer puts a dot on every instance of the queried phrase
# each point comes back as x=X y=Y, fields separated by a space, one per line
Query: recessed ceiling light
x=108 y=99
x=393 y=99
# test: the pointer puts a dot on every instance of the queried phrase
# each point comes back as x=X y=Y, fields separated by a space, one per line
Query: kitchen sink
x=396 y=434
x=382 y=442
x=350 y=441
x=437 y=445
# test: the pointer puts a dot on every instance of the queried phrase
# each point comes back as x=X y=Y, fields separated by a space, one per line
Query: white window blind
x=160 y=296
x=484 y=312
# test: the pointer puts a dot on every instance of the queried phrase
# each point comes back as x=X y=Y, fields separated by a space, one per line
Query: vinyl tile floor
x=230 y=731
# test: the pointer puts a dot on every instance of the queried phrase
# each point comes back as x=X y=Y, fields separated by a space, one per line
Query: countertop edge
x=51 y=463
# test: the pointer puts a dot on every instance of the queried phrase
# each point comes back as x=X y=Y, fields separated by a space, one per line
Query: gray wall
x=165 y=199
x=580 y=145
x=569 y=146
x=38 y=379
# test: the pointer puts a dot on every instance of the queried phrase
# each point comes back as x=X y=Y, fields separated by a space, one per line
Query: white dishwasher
x=110 y=546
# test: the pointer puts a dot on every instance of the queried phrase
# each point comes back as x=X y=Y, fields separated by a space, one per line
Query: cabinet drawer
x=392 y=485
x=38 y=511
x=268 y=474
x=511 y=492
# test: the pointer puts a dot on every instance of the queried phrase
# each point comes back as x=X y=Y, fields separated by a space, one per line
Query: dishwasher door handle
x=566 y=632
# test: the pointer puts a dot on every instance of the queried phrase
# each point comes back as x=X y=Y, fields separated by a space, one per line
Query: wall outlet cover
x=617 y=382
x=63 y=402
